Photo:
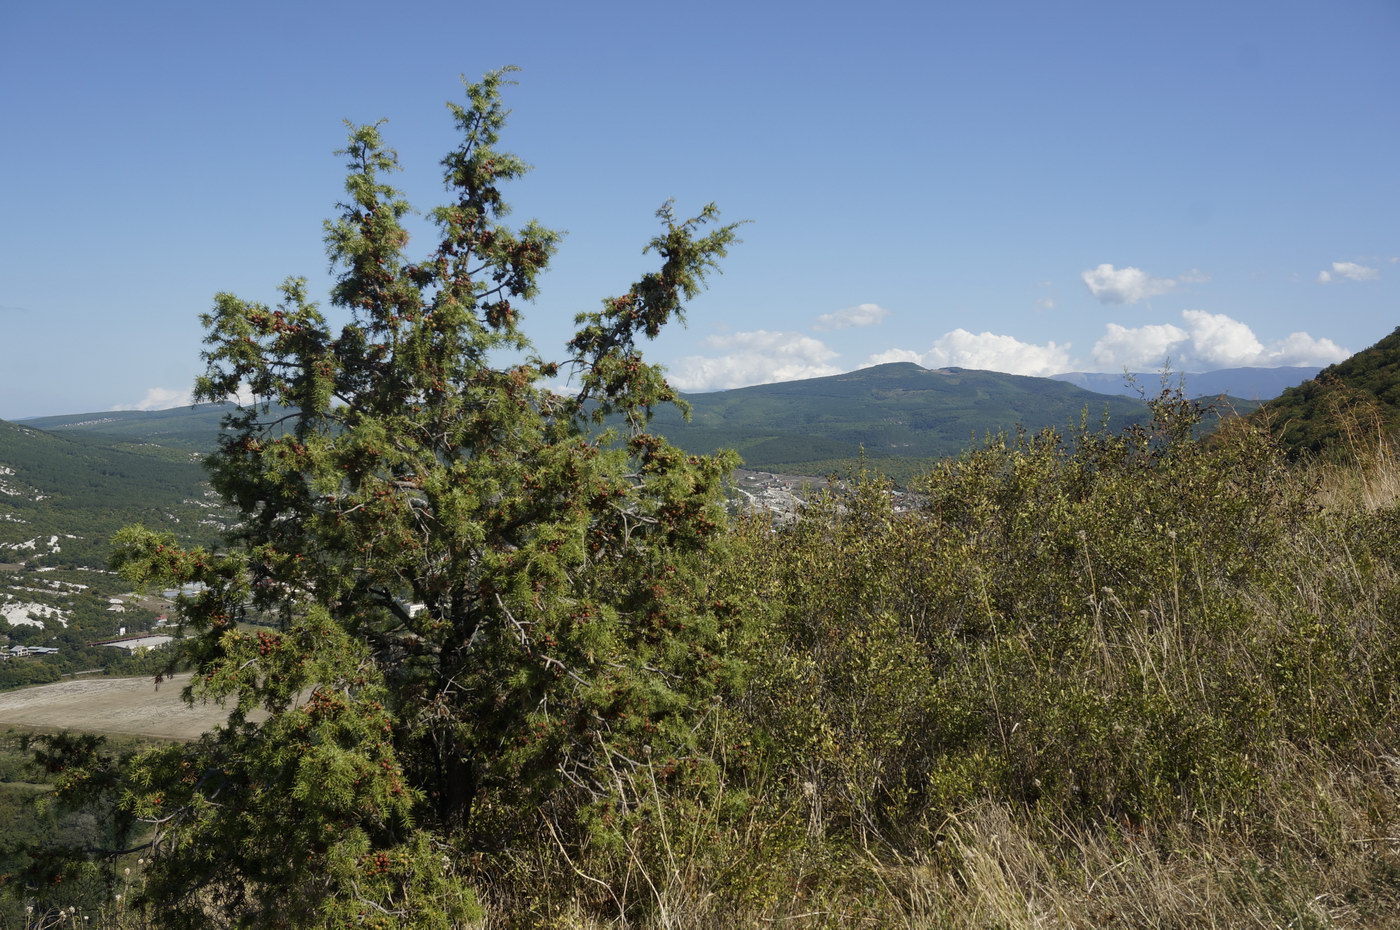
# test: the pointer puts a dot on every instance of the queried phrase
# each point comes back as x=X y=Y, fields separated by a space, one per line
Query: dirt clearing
x=135 y=706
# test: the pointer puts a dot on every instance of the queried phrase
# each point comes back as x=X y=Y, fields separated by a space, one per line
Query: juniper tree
x=488 y=595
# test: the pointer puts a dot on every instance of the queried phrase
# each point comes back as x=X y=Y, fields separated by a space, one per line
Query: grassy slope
x=1123 y=688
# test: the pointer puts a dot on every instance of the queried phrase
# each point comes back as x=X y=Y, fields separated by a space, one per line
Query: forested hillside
x=61 y=501
x=894 y=410
x=193 y=428
x=1361 y=393
x=62 y=498
x=898 y=412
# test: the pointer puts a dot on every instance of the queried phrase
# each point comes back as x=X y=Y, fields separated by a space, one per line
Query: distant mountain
x=1362 y=392
x=891 y=411
x=1246 y=383
x=62 y=497
x=899 y=410
x=894 y=411
x=179 y=427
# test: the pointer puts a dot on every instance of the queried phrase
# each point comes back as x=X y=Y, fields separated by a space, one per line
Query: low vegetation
x=1135 y=680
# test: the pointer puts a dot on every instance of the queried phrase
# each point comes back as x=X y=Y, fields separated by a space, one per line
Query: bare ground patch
x=135 y=706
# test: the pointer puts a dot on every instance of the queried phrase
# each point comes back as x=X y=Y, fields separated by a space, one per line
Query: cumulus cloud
x=1111 y=285
x=158 y=398
x=1208 y=341
x=1302 y=349
x=1347 y=271
x=1137 y=347
x=988 y=351
x=755 y=357
x=1221 y=342
x=860 y=315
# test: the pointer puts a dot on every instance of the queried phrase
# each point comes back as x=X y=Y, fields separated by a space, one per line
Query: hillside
x=895 y=412
x=179 y=427
x=1361 y=391
x=62 y=497
x=899 y=410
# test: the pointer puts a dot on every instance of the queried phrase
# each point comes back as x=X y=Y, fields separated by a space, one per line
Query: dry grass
x=1364 y=469
x=1328 y=857
x=1369 y=479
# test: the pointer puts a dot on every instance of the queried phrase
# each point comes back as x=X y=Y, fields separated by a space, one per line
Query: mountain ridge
x=1256 y=384
x=898 y=409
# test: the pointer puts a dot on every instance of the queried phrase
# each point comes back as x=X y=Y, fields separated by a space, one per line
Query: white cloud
x=158 y=398
x=1194 y=276
x=1045 y=303
x=1137 y=348
x=896 y=355
x=1111 y=285
x=988 y=351
x=1209 y=341
x=1302 y=349
x=860 y=315
x=1220 y=342
x=757 y=357
x=1350 y=271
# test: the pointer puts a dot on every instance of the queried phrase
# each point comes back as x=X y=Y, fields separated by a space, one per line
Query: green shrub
x=1114 y=628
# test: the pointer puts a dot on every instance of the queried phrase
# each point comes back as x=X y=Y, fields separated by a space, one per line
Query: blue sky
x=1030 y=187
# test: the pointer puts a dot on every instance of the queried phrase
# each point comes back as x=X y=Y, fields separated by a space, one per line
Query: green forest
x=1341 y=406
x=522 y=668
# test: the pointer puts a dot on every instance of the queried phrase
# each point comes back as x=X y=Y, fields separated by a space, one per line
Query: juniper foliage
x=483 y=598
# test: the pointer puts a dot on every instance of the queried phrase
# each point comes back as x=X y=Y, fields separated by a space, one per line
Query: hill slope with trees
x=899 y=410
x=81 y=490
x=1361 y=392
x=193 y=428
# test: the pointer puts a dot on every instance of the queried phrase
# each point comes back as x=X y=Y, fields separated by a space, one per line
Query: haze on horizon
x=1020 y=188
